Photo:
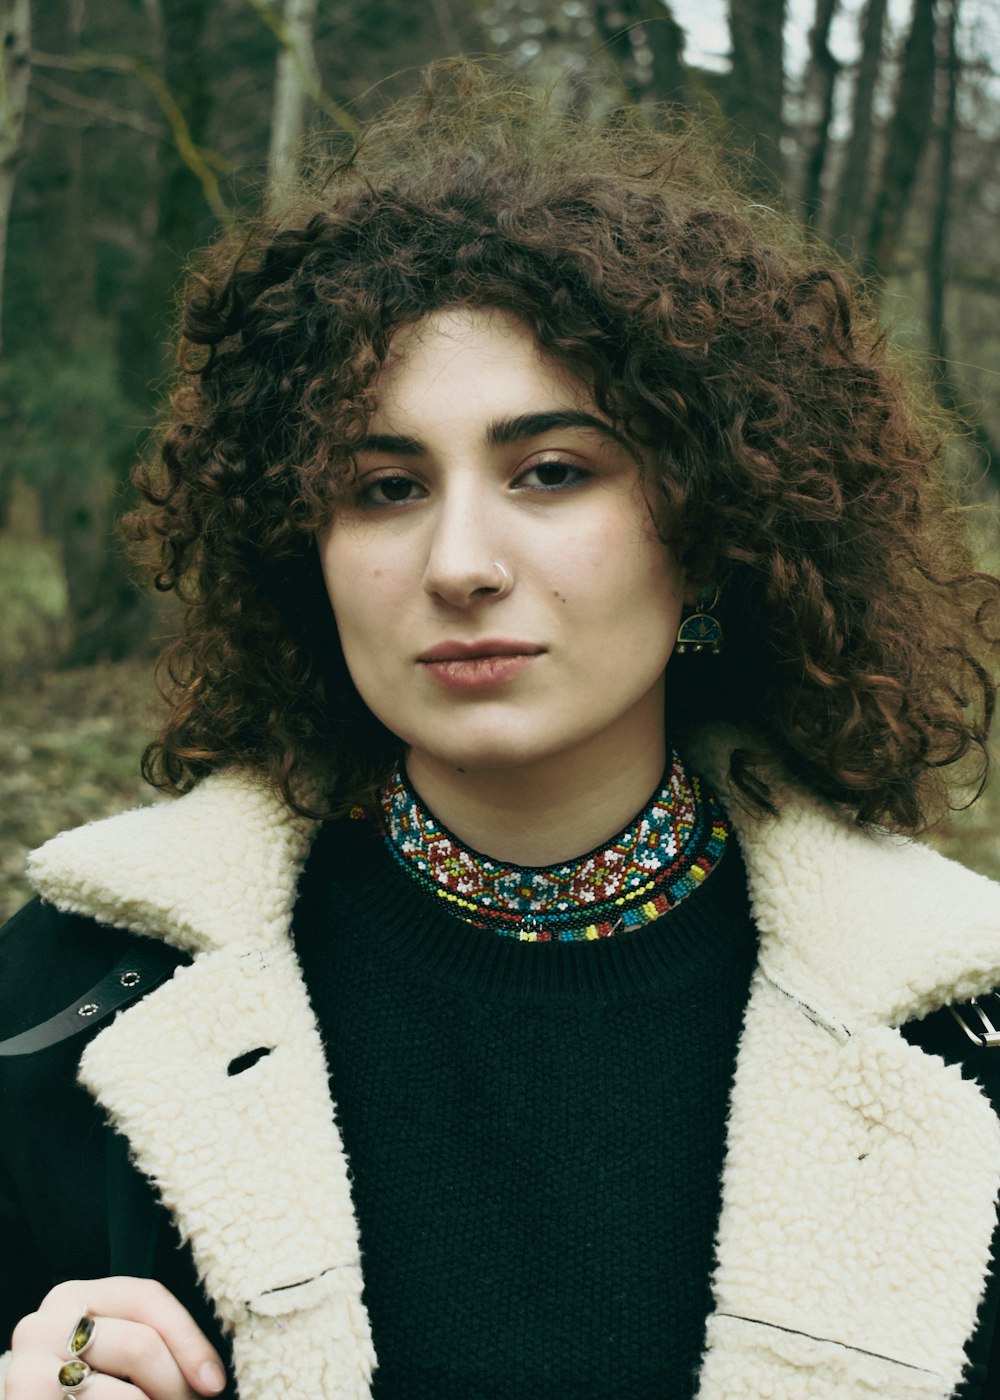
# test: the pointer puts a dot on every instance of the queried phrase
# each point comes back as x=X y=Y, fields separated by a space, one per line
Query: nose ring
x=506 y=582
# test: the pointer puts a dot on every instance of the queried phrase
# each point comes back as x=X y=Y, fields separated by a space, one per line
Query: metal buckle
x=989 y=1037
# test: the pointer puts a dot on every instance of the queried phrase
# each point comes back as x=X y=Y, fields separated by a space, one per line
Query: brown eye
x=389 y=491
x=552 y=476
x=395 y=488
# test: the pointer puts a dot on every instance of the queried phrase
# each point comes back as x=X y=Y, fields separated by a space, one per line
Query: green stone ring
x=73 y=1375
x=81 y=1336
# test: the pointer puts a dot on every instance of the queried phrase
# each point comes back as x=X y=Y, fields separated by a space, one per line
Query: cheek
x=350 y=574
x=635 y=584
x=348 y=586
x=371 y=598
x=650 y=612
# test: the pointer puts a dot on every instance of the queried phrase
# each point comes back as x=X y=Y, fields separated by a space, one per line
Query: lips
x=476 y=651
x=478 y=666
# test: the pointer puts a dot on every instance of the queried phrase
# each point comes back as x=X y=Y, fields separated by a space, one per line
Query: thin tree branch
x=105 y=111
x=202 y=163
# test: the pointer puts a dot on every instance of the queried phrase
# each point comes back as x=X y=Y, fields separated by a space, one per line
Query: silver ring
x=506 y=582
x=74 y=1375
x=82 y=1336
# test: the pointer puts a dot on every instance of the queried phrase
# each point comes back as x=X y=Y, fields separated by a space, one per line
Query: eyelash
x=366 y=489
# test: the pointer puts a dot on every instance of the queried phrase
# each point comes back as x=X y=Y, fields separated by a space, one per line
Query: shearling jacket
x=858 y=1195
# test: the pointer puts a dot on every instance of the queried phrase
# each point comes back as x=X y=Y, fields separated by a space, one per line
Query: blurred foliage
x=33 y=589
x=62 y=411
x=69 y=435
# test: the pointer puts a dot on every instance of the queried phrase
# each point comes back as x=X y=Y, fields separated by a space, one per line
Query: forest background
x=131 y=131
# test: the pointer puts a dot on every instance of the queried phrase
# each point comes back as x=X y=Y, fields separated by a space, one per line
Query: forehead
x=469 y=360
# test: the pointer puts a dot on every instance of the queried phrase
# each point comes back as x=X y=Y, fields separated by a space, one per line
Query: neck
x=541 y=813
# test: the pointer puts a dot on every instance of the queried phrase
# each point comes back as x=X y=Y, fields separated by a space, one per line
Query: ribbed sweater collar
x=351 y=874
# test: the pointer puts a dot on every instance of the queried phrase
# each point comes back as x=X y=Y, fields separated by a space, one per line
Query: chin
x=488 y=752
x=485 y=758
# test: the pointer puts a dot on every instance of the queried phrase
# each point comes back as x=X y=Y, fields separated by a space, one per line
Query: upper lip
x=488 y=646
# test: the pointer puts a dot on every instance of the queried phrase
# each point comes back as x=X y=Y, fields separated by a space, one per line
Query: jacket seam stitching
x=831 y=1341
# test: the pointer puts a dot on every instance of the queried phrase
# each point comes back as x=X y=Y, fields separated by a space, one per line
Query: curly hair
x=791 y=462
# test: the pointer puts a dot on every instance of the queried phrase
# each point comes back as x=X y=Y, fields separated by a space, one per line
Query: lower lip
x=476 y=672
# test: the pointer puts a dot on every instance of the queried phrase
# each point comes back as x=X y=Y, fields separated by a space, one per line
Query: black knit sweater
x=535 y=1130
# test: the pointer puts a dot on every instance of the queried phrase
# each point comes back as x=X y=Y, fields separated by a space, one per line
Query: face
x=501 y=596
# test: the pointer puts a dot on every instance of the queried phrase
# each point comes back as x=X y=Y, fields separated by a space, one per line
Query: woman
x=563 y=559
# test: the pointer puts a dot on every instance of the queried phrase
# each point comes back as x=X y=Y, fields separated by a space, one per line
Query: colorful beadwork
x=661 y=856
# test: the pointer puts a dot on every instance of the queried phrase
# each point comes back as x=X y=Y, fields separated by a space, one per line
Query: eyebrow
x=502 y=432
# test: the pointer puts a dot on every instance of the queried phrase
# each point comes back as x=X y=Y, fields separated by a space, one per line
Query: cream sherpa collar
x=861 y=925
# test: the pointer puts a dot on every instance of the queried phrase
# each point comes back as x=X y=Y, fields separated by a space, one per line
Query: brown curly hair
x=792 y=463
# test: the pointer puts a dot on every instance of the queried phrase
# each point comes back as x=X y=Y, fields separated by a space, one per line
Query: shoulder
x=50 y=959
x=867 y=926
x=46 y=959
x=942 y=1033
x=966 y=1034
x=199 y=871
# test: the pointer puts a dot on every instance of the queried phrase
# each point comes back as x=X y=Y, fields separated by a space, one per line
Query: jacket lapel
x=219 y=1081
x=861 y=1174
x=858 y=1209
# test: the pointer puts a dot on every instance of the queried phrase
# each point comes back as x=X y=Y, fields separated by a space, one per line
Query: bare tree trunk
x=948 y=391
x=110 y=617
x=846 y=221
x=820 y=81
x=937 y=252
x=179 y=213
x=756 y=85
x=448 y=29
x=77 y=249
x=668 y=79
x=15 y=74
x=908 y=135
x=295 y=74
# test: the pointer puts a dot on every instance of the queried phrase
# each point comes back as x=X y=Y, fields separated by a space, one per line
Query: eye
x=389 y=491
x=552 y=476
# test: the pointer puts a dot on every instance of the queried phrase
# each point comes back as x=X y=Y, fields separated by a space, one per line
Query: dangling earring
x=701 y=631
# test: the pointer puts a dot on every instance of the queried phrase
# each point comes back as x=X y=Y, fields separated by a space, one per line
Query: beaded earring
x=701 y=631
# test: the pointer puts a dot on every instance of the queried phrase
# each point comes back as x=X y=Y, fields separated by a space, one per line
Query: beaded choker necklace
x=661 y=856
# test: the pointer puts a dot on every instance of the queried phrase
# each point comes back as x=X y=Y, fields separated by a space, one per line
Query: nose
x=465 y=552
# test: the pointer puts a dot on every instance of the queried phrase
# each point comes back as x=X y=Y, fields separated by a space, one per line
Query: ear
x=703 y=598
x=692 y=592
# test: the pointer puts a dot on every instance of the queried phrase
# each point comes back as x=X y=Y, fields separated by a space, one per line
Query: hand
x=146 y=1346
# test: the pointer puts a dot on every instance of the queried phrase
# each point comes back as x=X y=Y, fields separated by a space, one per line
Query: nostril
x=247 y=1060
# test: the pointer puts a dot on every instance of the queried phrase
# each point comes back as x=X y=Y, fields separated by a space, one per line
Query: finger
x=128 y=1361
x=35 y=1377
x=136 y=1352
x=147 y=1302
x=109 y=1388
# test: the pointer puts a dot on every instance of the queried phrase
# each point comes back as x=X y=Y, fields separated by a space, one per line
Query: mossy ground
x=70 y=744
